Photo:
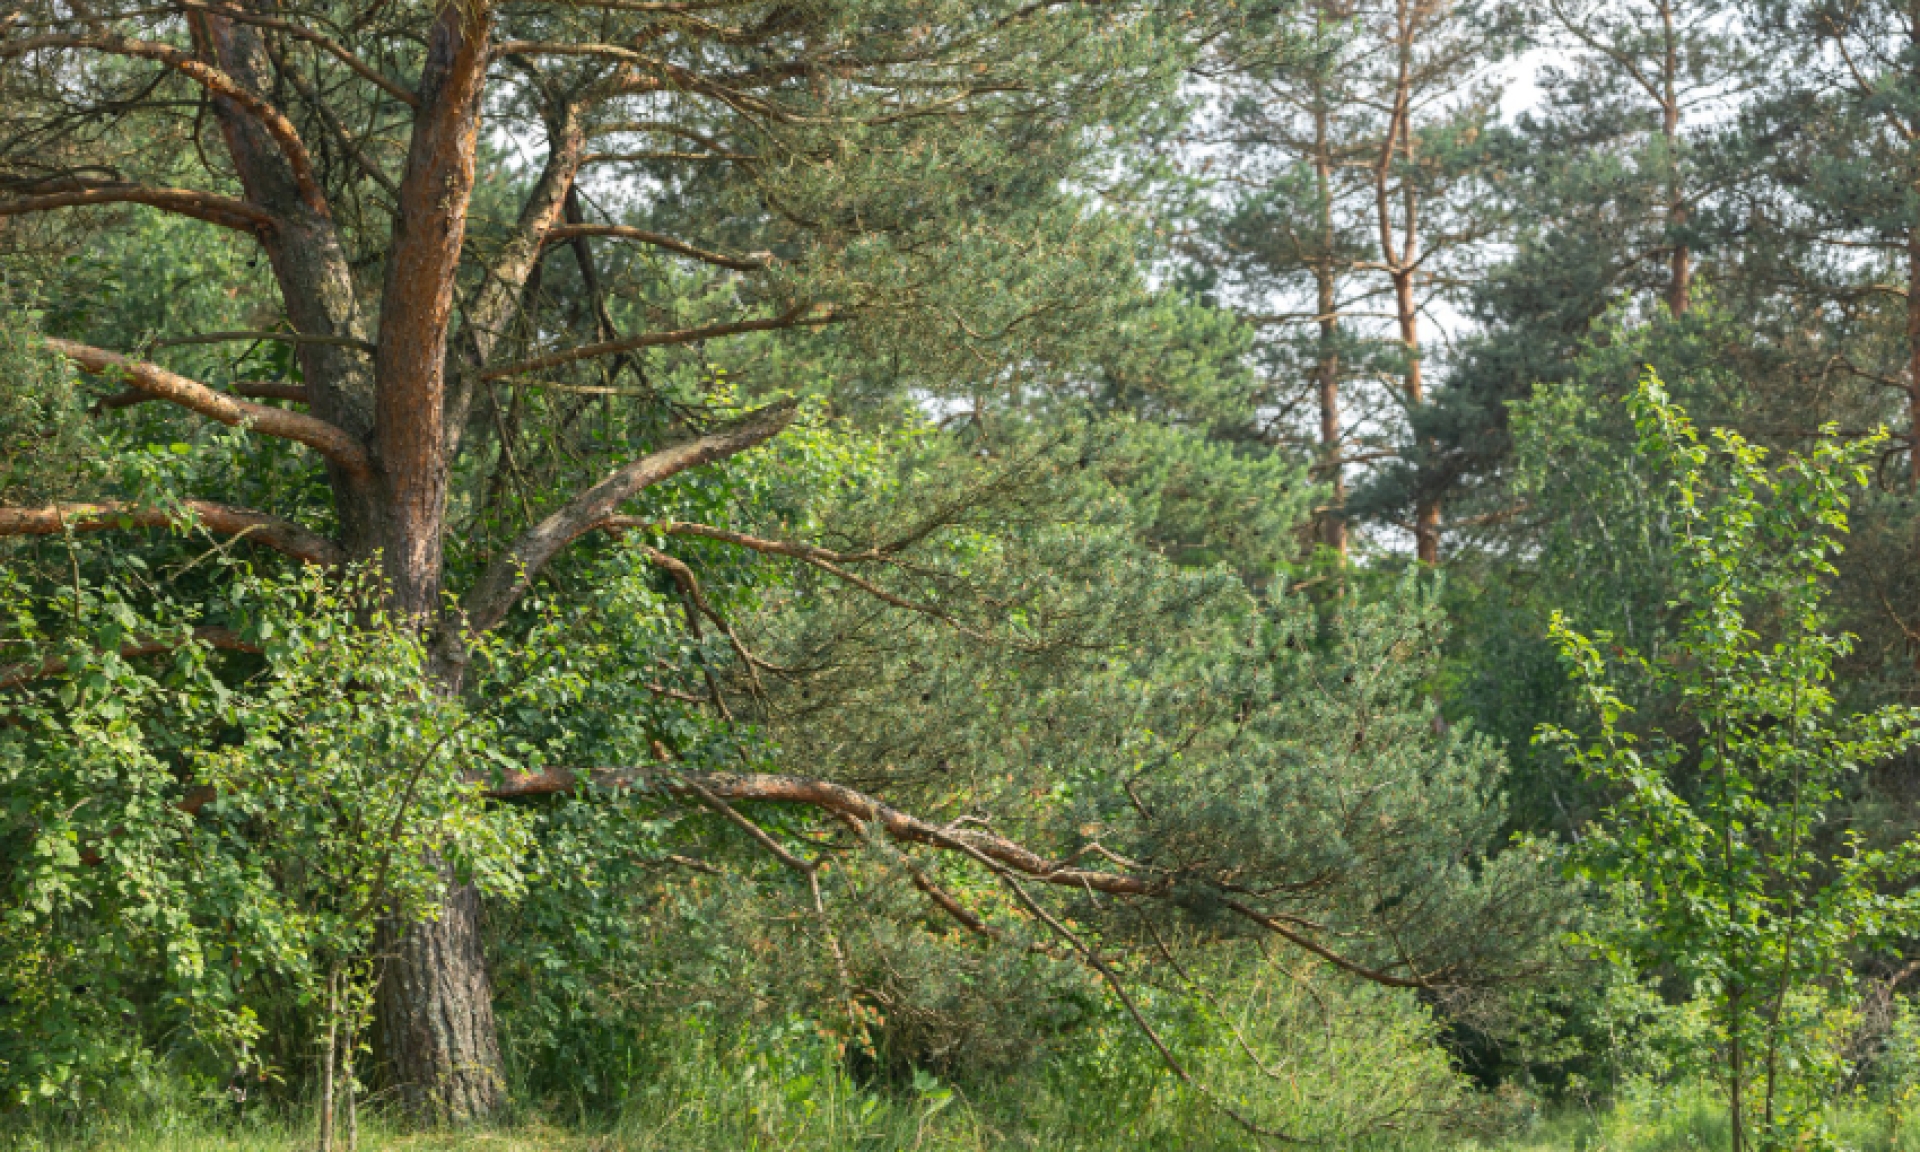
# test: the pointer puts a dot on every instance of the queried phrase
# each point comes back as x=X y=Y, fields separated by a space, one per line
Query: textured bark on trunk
x=436 y=1004
x=437 y=1032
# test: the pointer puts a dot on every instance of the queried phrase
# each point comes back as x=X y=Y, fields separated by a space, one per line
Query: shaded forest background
x=905 y=573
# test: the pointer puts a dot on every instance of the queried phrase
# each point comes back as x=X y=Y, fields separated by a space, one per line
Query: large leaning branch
x=282 y=536
x=507 y=577
x=328 y=439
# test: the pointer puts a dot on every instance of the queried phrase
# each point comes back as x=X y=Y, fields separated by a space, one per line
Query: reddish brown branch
x=246 y=389
x=997 y=852
x=283 y=536
x=225 y=639
x=224 y=211
x=327 y=439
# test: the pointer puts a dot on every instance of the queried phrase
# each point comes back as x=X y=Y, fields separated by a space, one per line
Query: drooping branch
x=508 y=576
x=224 y=211
x=994 y=851
x=273 y=532
x=792 y=318
x=225 y=639
x=660 y=240
x=202 y=73
x=327 y=439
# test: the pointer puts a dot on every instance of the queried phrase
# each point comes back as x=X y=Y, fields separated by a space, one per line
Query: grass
x=1682 y=1122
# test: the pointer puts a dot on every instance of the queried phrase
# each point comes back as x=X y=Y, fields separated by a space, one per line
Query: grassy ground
x=1689 y=1122
x=1686 y=1124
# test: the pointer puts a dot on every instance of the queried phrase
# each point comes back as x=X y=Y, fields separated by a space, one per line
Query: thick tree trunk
x=436 y=1004
x=437 y=1033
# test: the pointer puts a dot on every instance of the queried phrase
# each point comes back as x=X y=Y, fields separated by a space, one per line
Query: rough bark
x=435 y=1002
x=417 y=305
x=436 y=1013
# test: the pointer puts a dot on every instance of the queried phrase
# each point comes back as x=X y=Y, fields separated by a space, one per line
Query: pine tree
x=1353 y=149
x=896 y=168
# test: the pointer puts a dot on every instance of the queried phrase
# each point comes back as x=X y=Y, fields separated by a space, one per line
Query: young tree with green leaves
x=1719 y=834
